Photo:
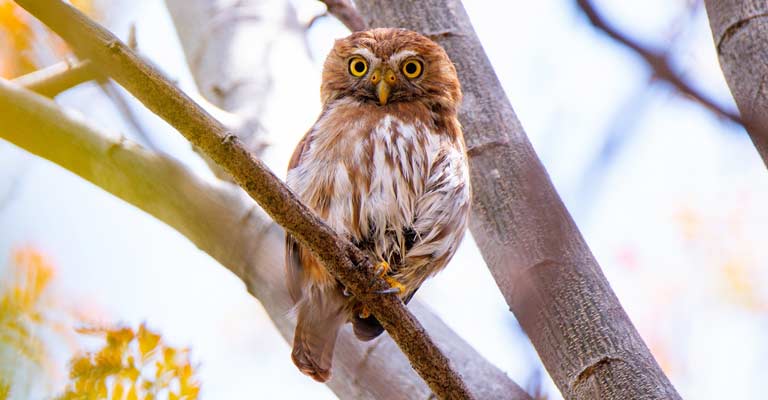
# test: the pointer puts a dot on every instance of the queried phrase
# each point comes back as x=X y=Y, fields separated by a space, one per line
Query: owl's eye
x=358 y=66
x=412 y=69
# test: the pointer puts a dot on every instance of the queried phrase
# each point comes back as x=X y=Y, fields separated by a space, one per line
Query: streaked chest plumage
x=365 y=175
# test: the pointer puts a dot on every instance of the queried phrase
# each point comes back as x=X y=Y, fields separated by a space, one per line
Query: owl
x=385 y=166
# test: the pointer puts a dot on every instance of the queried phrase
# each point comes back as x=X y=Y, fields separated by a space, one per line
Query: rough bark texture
x=239 y=235
x=534 y=250
x=740 y=32
x=345 y=261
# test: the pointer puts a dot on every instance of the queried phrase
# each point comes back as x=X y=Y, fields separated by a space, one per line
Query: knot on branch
x=593 y=368
x=229 y=139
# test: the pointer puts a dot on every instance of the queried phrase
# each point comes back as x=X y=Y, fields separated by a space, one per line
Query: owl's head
x=385 y=66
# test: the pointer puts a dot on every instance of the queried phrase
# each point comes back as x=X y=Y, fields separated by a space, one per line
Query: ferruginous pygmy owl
x=385 y=166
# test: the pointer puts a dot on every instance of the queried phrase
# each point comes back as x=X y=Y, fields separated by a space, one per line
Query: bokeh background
x=669 y=195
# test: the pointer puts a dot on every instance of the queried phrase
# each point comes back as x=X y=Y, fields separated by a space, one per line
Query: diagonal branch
x=345 y=261
x=235 y=232
x=533 y=248
x=657 y=61
x=346 y=12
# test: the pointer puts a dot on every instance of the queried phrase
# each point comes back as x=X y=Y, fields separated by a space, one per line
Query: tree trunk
x=533 y=248
x=740 y=32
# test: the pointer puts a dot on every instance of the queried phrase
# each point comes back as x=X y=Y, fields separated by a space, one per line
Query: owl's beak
x=383 y=84
x=382 y=90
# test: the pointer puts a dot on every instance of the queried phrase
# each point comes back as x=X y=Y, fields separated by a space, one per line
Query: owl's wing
x=440 y=220
x=295 y=280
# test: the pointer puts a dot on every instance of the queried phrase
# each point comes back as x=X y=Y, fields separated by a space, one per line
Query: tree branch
x=345 y=261
x=346 y=12
x=235 y=232
x=739 y=30
x=658 y=62
x=59 y=77
x=534 y=250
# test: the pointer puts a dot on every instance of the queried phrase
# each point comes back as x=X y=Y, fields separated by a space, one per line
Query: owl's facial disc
x=383 y=82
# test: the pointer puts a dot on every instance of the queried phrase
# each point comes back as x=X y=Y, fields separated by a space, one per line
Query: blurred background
x=666 y=191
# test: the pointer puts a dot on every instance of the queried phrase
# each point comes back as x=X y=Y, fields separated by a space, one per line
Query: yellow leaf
x=119 y=337
x=169 y=356
x=148 y=341
x=132 y=393
x=101 y=389
x=80 y=367
x=118 y=391
x=190 y=391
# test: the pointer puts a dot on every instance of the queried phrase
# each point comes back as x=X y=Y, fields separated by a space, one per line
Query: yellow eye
x=412 y=69
x=357 y=66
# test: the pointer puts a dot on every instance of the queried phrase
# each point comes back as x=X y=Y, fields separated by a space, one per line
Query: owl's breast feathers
x=392 y=179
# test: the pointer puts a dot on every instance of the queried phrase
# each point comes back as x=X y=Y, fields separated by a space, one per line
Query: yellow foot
x=382 y=269
x=395 y=286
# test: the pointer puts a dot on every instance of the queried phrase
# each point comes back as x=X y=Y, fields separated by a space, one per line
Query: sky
x=667 y=195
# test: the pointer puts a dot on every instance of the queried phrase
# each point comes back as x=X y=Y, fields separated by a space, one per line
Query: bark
x=740 y=32
x=534 y=250
x=235 y=232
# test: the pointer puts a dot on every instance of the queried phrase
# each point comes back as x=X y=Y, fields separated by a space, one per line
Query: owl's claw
x=394 y=286
x=346 y=292
x=382 y=268
x=388 y=291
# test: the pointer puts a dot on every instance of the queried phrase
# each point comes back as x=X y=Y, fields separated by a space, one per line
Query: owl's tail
x=317 y=326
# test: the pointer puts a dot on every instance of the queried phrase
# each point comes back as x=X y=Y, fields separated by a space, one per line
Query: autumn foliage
x=131 y=364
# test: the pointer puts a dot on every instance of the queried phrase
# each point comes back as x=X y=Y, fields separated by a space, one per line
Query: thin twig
x=346 y=12
x=657 y=61
x=124 y=108
x=345 y=261
x=57 y=78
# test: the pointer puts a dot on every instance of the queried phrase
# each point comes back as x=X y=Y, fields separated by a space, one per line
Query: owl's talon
x=395 y=286
x=388 y=291
x=346 y=293
x=382 y=268
x=364 y=313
